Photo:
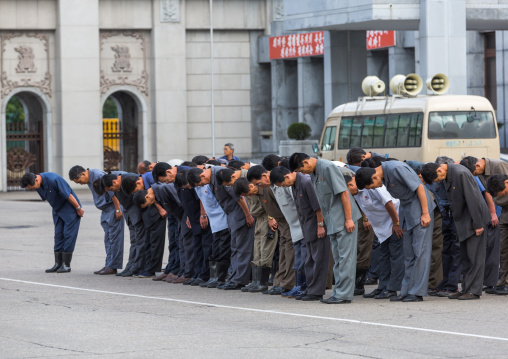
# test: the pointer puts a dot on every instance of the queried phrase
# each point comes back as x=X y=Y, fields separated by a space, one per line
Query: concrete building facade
x=62 y=59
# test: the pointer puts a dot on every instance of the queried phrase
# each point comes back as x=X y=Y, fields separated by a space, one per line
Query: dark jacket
x=468 y=206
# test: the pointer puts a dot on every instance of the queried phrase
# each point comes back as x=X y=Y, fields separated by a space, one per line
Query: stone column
x=401 y=58
x=78 y=122
x=442 y=42
x=167 y=134
x=310 y=94
x=502 y=85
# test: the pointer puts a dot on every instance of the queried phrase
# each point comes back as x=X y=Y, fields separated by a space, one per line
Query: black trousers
x=202 y=248
x=154 y=246
x=138 y=234
x=187 y=253
x=472 y=253
x=391 y=263
x=374 y=260
x=221 y=247
x=450 y=255
x=173 y=265
x=316 y=265
x=492 y=258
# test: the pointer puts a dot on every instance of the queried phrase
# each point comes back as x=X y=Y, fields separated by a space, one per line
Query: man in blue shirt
x=229 y=150
x=67 y=213
x=111 y=218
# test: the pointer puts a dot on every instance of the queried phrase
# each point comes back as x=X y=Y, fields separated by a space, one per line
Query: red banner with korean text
x=297 y=45
x=380 y=39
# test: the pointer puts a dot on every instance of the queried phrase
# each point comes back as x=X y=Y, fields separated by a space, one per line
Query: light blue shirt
x=216 y=216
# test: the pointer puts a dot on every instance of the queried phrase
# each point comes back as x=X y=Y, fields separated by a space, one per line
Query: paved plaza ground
x=80 y=314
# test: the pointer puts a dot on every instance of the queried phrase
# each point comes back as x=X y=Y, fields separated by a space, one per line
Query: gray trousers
x=472 y=254
x=242 y=246
x=417 y=254
x=113 y=239
x=492 y=256
x=344 y=247
x=316 y=265
x=264 y=247
x=391 y=263
x=138 y=234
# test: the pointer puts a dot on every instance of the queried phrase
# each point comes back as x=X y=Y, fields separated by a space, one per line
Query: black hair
x=241 y=186
x=188 y=164
x=428 y=172
x=495 y=184
x=98 y=187
x=277 y=174
x=146 y=165
x=373 y=162
x=139 y=197
x=296 y=160
x=214 y=162
x=129 y=183
x=75 y=172
x=235 y=164
x=469 y=162
x=225 y=175
x=445 y=159
x=200 y=160
x=285 y=163
x=28 y=179
x=255 y=173
x=181 y=179
x=194 y=176
x=107 y=180
x=363 y=177
x=348 y=178
x=355 y=156
x=160 y=170
x=270 y=162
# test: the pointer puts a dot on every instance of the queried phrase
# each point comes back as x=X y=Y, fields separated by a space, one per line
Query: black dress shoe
x=272 y=290
x=278 y=291
x=490 y=289
x=127 y=273
x=386 y=294
x=370 y=281
x=398 y=298
x=233 y=286
x=373 y=293
x=503 y=290
x=221 y=286
x=300 y=296
x=311 y=297
x=189 y=282
x=359 y=291
x=412 y=298
x=197 y=282
x=334 y=300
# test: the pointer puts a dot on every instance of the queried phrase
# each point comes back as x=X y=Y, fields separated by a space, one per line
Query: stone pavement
x=80 y=314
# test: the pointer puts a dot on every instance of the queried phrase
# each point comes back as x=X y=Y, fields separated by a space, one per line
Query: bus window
x=392 y=125
x=415 y=130
x=368 y=132
x=356 y=132
x=461 y=124
x=345 y=132
x=379 y=132
x=403 y=129
x=329 y=139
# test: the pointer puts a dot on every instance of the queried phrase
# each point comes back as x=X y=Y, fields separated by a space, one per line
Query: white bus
x=412 y=128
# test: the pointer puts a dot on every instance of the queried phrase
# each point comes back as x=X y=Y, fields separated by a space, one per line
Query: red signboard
x=298 y=45
x=380 y=39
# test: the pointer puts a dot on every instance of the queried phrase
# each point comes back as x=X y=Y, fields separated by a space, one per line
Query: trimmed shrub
x=299 y=131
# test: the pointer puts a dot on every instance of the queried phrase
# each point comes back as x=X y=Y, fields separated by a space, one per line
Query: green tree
x=14 y=111
x=109 y=109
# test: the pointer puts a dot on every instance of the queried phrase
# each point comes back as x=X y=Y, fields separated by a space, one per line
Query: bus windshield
x=461 y=124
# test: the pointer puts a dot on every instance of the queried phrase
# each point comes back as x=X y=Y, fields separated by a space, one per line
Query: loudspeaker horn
x=439 y=84
x=372 y=86
x=411 y=84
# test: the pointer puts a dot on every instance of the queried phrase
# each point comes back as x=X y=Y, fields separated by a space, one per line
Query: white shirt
x=372 y=202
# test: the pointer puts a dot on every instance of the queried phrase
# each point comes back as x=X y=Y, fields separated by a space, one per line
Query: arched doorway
x=24 y=116
x=121 y=116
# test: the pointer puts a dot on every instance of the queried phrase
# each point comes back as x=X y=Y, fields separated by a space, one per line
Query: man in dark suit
x=471 y=216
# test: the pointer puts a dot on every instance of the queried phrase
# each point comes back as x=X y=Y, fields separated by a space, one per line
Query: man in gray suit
x=471 y=216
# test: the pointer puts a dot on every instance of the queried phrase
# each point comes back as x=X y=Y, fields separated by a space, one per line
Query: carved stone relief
x=278 y=10
x=26 y=59
x=22 y=54
x=123 y=63
x=122 y=57
x=170 y=10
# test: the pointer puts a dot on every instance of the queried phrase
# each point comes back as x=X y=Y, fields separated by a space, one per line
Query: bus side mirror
x=315 y=148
